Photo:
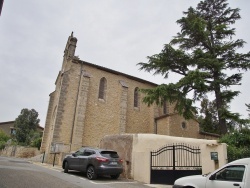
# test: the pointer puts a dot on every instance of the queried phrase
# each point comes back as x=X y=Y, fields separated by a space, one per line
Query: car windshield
x=109 y=154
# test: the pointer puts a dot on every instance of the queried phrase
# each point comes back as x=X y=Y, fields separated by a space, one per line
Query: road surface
x=19 y=173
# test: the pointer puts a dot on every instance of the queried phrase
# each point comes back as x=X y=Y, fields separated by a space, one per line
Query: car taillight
x=120 y=161
x=101 y=159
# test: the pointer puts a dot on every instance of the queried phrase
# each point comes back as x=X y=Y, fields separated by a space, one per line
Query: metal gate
x=174 y=161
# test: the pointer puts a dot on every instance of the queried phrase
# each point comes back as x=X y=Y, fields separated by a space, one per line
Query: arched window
x=136 y=97
x=183 y=125
x=102 y=88
x=165 y=107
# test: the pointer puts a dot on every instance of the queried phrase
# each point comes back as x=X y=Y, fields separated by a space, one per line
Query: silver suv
x=94 y=162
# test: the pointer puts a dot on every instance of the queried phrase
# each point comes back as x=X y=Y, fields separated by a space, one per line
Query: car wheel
x=91 y=175
x=66 y=167
x=115 y=176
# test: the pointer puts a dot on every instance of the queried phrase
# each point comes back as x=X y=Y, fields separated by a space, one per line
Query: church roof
x=114 y=72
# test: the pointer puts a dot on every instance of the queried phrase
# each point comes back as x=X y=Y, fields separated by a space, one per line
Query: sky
x=116 y=34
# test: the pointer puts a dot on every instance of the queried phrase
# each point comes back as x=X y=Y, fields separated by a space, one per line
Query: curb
x=55 y=167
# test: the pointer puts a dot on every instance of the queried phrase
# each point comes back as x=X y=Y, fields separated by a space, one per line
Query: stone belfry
x=70 y=49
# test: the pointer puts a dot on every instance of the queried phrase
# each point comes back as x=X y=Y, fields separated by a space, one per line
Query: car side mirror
x=212 y=177
x=73 y=154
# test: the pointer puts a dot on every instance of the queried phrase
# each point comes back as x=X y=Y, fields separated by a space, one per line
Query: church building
x=91 y=101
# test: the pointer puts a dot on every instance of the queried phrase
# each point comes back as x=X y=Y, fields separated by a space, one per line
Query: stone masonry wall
x=116 y=114
x=191 y=130
x=123 y=107
x=172 y=125
x=163 y=127
x=67 y=107
x=123 y=145
x=102 y=115
x=139 y=119
x=19 y=151
x=79 y=123
x=61 y=107
x=47 y=128
x=52 y=113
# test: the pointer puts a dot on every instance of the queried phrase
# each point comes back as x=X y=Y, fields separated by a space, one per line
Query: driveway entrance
x=174 y=161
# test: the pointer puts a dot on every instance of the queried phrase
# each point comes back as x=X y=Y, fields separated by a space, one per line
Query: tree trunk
x=220 y=106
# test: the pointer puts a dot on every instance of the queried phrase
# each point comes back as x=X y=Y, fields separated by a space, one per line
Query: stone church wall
x=183 y=128
x=116 y=114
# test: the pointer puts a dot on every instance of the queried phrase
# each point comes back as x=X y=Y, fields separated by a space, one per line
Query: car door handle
x=236 y=184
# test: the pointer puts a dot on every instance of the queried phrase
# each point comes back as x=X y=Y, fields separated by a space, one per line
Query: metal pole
x=43 y=157
x=54 y=159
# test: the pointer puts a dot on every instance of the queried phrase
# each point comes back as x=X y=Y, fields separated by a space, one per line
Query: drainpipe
x=155 y=121
x=77 y=97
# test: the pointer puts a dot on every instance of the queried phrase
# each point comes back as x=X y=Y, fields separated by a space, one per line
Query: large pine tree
x=248 y=109
x=202 y=53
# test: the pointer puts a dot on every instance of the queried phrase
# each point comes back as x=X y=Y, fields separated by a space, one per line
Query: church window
x=184 y=125
x=102 y=88
x=165 y=107
x=136 y=97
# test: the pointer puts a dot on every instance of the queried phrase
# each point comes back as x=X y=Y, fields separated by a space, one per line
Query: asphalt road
x=19 y=173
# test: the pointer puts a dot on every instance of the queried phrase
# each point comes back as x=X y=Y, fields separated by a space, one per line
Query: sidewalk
x=55 y=167
x=159 y=186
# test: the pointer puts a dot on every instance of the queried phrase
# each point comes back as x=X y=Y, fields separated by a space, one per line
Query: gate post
x=151 y=163
x=173 y=157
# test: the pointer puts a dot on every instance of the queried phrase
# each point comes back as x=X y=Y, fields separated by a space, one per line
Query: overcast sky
x=116 y=34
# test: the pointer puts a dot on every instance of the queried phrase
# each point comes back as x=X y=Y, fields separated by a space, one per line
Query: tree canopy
x=248 y=109
x=208 y=116
x=204 y=53
x=238 y=144
x=26 y=125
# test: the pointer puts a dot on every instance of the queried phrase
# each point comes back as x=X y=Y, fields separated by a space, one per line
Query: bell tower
x=70 y=48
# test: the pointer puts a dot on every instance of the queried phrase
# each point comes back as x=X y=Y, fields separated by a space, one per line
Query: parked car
x=231 y=175
x=94 y=162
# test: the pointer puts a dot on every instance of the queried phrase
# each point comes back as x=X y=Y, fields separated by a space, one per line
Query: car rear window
x=109 y=154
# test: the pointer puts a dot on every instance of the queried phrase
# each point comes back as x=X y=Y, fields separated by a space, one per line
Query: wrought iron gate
x=174 y=161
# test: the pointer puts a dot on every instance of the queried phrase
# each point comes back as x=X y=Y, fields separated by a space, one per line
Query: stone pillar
x=47 y=128
x=80 y=112
x=60 y=109
x=123 y=107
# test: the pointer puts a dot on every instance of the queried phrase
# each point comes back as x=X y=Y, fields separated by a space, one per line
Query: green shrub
x=3 y=139
x=37 y=142
x=238 y=144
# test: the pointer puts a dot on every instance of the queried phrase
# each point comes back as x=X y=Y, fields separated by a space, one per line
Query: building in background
x=9 y=129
